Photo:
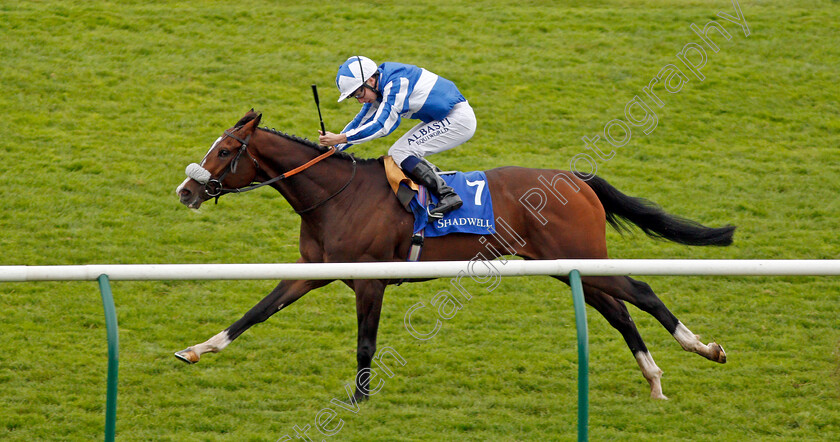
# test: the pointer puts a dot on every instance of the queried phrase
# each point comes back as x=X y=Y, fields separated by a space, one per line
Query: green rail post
x=113 y=357
x=583 y=355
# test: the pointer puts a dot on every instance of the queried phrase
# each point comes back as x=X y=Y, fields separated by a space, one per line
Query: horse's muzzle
x=189 y=198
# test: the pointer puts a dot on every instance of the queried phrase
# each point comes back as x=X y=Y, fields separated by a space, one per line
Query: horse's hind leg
x=640 y=294
x=615 y=312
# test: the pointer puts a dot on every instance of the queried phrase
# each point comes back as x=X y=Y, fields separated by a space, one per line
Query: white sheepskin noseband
x=198 y=173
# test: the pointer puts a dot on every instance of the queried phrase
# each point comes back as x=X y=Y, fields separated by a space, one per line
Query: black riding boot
x=424 y=173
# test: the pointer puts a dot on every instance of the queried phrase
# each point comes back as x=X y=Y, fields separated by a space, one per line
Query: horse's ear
x=252 y=119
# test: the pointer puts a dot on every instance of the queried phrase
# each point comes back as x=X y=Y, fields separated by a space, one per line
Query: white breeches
x=436 y=136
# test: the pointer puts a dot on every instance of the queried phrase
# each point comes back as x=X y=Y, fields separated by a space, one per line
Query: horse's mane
x=305 y=141
x=309 y=143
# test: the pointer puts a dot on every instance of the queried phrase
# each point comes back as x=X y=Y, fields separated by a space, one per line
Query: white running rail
x=419 y=270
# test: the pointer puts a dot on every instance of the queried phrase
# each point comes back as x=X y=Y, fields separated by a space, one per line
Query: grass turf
x=104 y=103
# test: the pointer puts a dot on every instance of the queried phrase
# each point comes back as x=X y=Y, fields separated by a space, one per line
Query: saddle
x=405 y=192
x=475 y=216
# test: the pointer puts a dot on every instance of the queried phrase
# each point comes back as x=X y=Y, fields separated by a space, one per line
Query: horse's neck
x=343 y=196
x=310 y=186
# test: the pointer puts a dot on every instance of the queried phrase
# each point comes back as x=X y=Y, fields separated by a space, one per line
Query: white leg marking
x=652 y=373
x=690 y=342
x=214 y=344
x=686 y=338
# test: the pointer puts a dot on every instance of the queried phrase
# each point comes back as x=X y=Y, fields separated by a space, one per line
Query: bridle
x=214 y=189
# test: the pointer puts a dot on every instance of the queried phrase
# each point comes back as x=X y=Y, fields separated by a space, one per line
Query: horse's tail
x=652 y=219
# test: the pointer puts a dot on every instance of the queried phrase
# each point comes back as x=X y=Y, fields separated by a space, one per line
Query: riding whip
x=318 y=105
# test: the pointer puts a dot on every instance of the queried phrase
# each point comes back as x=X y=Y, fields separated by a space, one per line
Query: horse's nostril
x=185 y=193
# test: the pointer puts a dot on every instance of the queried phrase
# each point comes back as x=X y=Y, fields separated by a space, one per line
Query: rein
x=213 y=186
x=317 y=205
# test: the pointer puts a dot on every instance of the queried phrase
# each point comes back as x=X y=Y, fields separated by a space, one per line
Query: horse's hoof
x=718 y=355
x=658 y=396
x=189 y=356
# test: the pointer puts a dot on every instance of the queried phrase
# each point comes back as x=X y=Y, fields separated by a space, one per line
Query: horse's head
x=228 y=165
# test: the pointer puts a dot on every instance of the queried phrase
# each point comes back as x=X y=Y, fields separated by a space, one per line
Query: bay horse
x=336 y=195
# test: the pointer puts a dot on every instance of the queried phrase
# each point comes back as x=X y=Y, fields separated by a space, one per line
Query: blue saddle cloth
x=475 y=216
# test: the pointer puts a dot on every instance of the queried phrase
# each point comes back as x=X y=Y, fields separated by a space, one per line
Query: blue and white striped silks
x=407 y=92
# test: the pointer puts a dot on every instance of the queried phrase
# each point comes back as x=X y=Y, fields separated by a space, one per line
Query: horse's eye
x=224 y=153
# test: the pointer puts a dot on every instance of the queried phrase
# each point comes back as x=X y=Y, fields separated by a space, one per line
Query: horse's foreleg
x=691 y=342
x=615 y=312
x=284 y=294
x=640 y=294
x=369 y=295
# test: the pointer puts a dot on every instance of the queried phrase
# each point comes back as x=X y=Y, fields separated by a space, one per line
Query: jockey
x=393 y=91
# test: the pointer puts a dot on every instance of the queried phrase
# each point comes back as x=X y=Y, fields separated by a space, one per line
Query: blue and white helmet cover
x=350 y=73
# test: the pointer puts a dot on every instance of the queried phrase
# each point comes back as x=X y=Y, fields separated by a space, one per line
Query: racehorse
x=335 y=196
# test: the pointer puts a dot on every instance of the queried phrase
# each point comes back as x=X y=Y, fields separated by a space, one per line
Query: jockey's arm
x=331 y=139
